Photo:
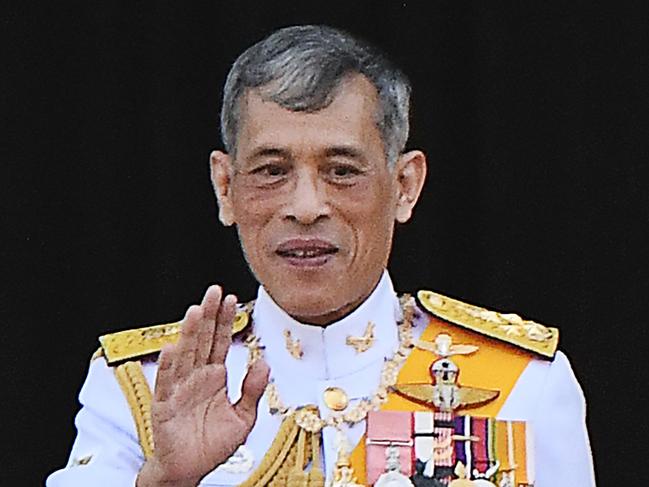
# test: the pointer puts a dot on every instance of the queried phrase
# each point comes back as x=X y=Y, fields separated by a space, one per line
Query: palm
x=195 y=427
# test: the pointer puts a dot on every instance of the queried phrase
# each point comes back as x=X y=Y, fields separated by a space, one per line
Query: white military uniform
x=106 y=451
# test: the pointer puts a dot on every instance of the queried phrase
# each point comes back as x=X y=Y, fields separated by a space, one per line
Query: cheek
x=251 y=205
x=252 y=216
x=369 y=211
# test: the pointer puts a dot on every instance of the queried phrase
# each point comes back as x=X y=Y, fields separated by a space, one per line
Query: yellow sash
x=496 y=365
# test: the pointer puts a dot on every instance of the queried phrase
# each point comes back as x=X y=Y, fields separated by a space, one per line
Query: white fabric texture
x=547 y=394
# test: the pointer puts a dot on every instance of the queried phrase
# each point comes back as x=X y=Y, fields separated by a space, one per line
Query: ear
x=221 y=172
x=410 y=173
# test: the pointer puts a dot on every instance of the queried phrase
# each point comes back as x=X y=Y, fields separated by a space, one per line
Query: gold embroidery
x=287 y=458
x=507 y=327
x=79 y=461
x=138 y=394
x=362 y=343
x=132 y=344
x=294 y=347
x=443 y=346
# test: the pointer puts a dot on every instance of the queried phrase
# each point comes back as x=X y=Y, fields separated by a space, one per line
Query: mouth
x=306 y=252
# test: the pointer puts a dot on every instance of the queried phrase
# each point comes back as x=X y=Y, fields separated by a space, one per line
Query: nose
x=307 y=203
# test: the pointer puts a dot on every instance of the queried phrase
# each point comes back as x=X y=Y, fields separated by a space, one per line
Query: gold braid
x=283 y=463
x=279 y=456
x=316 y=477
x=297 y=477
x=281 y=477
x=138 y=394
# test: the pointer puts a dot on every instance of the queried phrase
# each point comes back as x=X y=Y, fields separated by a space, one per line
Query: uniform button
x=335 y=398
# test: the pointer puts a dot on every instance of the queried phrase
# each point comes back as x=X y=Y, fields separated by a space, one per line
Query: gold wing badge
x=362 y=343
x=445 y=393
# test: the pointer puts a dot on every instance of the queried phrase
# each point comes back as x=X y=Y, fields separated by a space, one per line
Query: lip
x=306 y=252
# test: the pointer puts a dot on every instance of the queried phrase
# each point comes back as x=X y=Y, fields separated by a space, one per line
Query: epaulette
x=507 y=327
x=139 y=342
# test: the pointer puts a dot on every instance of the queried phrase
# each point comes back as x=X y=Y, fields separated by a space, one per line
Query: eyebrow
x=266 y=151
x=344 y=151
x=348 y=151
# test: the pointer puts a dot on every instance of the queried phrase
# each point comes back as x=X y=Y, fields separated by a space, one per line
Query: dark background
x=533 y=117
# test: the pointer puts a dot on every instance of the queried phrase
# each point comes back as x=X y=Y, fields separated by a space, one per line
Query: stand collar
x=325 y=352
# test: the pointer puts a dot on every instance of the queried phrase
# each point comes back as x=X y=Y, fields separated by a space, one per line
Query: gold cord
x=316 y=477
x=287 y=468
x=310 y=420
x=297 y=477
x=286 y=459
x=280 y=479
x=285 y=462
x=276 y=456
x=138 y=394
x=282 y=465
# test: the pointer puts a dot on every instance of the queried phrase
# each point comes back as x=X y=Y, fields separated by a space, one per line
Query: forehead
x=350 y=118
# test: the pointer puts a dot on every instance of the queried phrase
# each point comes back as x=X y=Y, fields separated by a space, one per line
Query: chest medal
x=439 y=448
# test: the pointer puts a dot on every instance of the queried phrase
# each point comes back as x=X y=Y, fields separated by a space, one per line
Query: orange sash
x=496 y=365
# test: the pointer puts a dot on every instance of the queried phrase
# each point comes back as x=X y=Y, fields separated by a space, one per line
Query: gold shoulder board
x=507 y=327
x=131 y=344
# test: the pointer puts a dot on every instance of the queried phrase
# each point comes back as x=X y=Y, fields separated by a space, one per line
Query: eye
x=271 y=170
x=343 y=172
x=269 y=174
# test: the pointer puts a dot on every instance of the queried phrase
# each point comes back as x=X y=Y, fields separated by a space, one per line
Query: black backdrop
x=533 y=117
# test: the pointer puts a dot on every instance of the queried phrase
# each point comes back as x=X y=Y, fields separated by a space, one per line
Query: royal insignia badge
x=294 y=347
x=255 y=349
x=445 y=393
x=362 y=343
x=443 y=346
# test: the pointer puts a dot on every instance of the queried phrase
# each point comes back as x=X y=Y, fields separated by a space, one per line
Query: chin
x=309 y=304
x=317 y=296
x=308 y=301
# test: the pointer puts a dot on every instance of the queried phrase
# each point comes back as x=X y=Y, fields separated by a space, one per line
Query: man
x=314 y=178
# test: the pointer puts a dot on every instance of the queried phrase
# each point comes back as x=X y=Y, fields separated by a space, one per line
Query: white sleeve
x=106 y=437
x=562 y=449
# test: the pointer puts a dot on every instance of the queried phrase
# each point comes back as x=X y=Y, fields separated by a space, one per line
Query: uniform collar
x=325 y=352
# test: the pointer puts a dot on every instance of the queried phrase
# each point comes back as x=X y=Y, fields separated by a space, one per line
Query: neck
x=330 y=317
x=327 y=354
x=333 y=316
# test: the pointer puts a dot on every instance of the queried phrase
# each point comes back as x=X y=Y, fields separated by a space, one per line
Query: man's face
x=313 y=199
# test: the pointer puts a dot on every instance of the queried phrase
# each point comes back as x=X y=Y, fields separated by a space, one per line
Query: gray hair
x=300 y=67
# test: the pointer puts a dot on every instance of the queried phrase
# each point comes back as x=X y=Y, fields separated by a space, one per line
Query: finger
x=253 y=387
x=222 y=337
x=210 y=306
x=164 y=381
x=187 y=343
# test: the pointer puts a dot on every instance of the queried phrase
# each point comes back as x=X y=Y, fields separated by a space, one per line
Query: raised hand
x=195 y=427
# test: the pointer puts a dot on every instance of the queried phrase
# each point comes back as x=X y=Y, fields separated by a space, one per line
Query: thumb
x=253 y=387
